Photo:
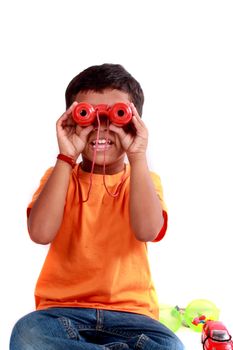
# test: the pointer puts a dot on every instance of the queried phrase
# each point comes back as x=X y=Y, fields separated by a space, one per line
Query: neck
x=110 y=169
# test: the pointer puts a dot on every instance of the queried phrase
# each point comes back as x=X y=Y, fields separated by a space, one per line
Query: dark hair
x=106 y=76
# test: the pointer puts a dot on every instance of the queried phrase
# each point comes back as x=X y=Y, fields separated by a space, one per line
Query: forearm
x=47 y=212
x=145 y=208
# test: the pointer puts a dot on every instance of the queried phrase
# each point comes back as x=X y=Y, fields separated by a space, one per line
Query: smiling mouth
x=101 y=144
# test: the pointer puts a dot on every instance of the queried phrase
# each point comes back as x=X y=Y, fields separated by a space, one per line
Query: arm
x=146 y=215
x=47 y=212
x=145 y=208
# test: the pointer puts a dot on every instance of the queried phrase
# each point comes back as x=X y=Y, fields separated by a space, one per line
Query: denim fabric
x=90 y=329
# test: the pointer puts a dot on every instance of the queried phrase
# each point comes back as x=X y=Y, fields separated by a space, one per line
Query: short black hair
x=106 y=76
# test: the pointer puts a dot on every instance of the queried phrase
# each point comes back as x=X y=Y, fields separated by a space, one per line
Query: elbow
x=149 y=233
x=146 y=236
x=40 y=235
x=39 y=238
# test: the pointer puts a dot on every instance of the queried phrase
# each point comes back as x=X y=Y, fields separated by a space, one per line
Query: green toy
x=175 y=317
x=170 y=317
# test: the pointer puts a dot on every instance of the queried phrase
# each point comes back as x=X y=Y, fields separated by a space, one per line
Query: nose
x=103 y=121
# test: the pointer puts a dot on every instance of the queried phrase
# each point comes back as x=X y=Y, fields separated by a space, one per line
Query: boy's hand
x=134 y=145
x=71 y=137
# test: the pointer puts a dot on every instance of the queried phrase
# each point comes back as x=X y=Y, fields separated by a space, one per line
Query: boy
x=95 y=289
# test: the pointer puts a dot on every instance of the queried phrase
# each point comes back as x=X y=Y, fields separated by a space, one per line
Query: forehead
x=107 y=96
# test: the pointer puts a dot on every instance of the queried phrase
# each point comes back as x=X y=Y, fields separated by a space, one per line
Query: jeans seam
x=68 y=327
x=124 y=334
x=141 y=342
x=99 y=319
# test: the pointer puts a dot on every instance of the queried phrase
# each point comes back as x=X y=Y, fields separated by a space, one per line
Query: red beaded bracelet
x=66 y=159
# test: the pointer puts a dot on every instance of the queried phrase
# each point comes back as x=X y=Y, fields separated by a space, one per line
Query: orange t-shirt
x=95 y=261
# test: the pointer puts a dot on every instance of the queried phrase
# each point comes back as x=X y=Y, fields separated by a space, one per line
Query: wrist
x=72 y=154
x=67 y=159
x=137 y=158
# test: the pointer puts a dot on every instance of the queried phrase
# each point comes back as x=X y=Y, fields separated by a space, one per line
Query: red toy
x=197 y=320
x=119 y=114
x=215 y=336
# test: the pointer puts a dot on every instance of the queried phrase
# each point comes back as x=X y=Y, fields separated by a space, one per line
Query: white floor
x=190 y=339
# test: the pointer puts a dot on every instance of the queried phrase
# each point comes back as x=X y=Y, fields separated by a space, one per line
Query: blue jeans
x=90 y=329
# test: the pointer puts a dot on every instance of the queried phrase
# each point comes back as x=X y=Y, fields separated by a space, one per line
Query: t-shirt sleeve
x=159 y=190
x=39 y=189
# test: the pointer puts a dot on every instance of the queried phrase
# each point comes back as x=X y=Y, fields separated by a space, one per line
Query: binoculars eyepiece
x=119 y=114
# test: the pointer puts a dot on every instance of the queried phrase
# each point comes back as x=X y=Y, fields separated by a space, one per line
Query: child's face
x=111 y=153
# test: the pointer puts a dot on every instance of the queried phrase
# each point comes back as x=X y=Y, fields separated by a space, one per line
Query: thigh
x=53 y=329
x=142 y=331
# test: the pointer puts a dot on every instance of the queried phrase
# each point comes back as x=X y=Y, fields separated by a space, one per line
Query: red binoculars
x=85 y=114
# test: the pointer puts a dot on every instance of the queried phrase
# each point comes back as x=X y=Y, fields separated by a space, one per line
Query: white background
x=181 y=52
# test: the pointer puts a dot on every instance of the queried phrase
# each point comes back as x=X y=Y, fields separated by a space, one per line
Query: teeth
x=101 y=142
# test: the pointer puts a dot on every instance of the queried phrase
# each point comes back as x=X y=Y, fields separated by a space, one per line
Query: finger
x=65 y=121
x=139 y=126
x=67 y=113
x=84 y=131
x=137 y=120
x=118 y=130
x=71 y=108
x=135 y=112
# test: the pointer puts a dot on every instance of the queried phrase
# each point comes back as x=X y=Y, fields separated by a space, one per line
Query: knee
x=22 y=337
x=158 y=342
x=178 y=345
